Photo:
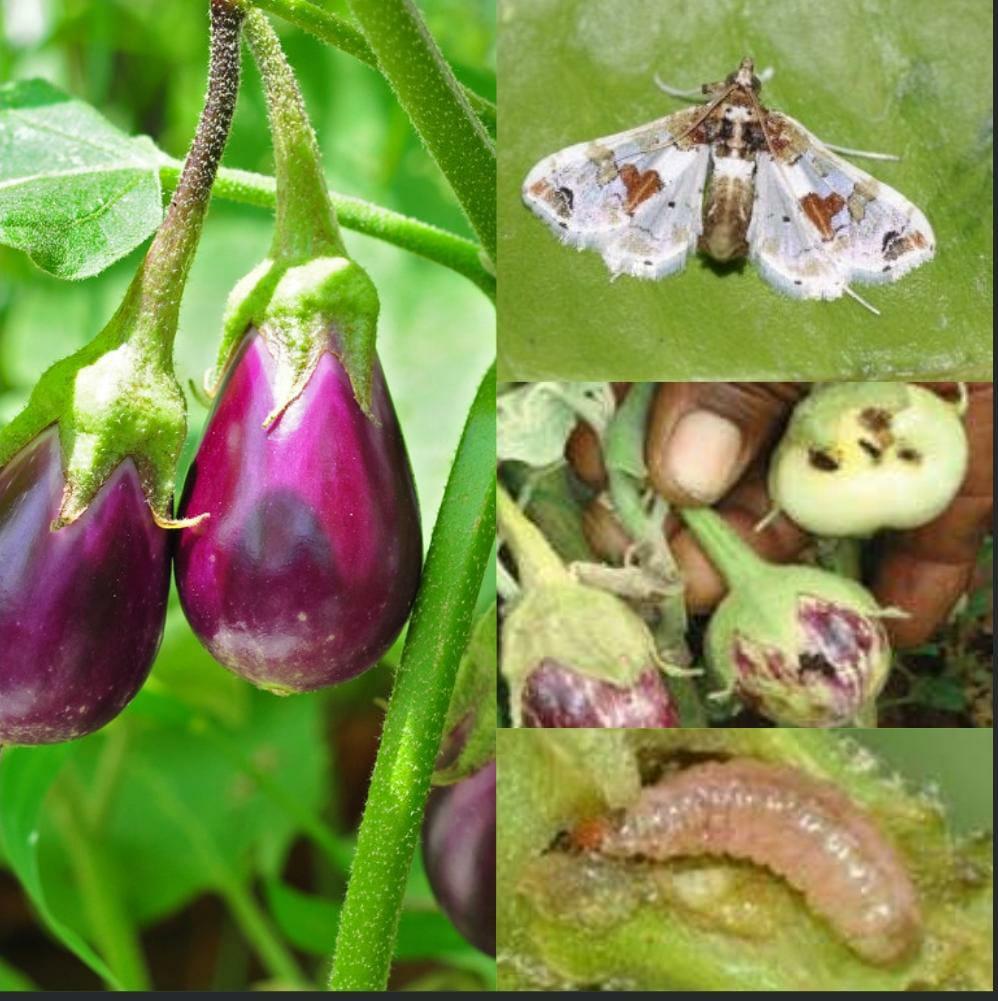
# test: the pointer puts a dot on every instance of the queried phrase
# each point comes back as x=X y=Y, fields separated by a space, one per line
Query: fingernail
x=702 y=453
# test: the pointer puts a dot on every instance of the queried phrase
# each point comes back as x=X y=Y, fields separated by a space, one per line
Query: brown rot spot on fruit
x=640 y=186
x=909 y=454
x=874 y=419
x=822 y=460
x=822 y=210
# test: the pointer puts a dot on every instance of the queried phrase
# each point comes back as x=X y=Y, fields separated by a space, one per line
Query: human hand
x=709 y=444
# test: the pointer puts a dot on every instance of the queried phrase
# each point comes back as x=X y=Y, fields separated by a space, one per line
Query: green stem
x=338 y=32
x=413 y=728
x=256 y=928
x=625 y=439
x=306 y=223
x=722 y=544
x=437 y=107
x=536 y=560
x=152 y=303
x=431 y=242
x=96 y=883
x=279 y=961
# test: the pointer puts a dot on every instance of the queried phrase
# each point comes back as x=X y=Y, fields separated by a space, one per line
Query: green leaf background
x=910 y=77
x=76 y=194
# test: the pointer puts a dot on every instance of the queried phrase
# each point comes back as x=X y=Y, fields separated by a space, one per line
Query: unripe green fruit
x=860 y=457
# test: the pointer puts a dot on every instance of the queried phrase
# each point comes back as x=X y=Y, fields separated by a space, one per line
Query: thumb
x=703 y=435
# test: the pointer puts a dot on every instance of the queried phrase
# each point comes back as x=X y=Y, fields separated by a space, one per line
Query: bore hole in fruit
x=871 y=450
x=909 y=455
x=822 y=460
x=816 y=663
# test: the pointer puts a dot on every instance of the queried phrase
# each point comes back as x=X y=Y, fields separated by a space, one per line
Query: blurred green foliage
x=908 y=77
x=204 y=784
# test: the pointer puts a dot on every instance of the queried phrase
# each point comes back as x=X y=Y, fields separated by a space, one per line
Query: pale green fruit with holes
x=860 y=457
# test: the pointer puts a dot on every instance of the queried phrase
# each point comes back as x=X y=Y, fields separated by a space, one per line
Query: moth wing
x=820 y=222
x=635 y=197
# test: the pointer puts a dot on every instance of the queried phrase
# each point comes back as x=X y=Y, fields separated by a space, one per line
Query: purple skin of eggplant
x=82 y=608
x=459 y=854
x=558 y=696
x=306 y=569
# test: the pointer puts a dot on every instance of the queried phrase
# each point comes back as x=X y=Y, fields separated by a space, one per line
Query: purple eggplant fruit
x=556 y=696
x=307 y=566
x=82 y=608
x=459 y=854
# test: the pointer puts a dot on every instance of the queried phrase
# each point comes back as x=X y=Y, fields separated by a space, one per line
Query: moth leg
x=861 y=153
x=855 y=295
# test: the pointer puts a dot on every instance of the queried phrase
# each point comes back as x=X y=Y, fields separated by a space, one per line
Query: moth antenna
x=692 y=94
x=764 y=76
x=862 y=301
x=862 y=153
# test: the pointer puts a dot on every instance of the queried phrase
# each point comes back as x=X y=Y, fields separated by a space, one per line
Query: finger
x=780 y=542
x=927 y=570
x=585 y=456
x=584 y=450
x=703 y=435
x=606 y=536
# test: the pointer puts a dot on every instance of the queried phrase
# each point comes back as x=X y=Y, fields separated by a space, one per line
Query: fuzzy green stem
x=338 y=32
x=727 y=551
x=536 y=560
x=625 y=439
x=431 y=242
x=437 y=107
x=306 y=223
x=153 y=299
x=437 y=637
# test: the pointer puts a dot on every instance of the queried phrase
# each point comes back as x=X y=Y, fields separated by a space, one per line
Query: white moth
x=810 y=221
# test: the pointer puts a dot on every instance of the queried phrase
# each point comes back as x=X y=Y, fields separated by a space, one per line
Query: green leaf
x=900 y=76
x=535 y=421
x=939 y=693
x=26 y=774
x=12 y=979
x=182 y=820
x=76 y=194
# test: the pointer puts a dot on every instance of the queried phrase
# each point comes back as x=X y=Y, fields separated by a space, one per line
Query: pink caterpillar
x=802 y=828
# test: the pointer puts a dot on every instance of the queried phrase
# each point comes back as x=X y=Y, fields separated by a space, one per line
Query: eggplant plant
x=87 y=473
x=297 y=540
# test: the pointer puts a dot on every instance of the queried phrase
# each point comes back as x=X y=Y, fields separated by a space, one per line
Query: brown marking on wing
x=898 y=245
x=786 y=142
x=821 y=211
x=539 y=188
x=640 y=186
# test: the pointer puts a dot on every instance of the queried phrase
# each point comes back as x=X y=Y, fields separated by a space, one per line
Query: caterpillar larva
x=802 y=828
